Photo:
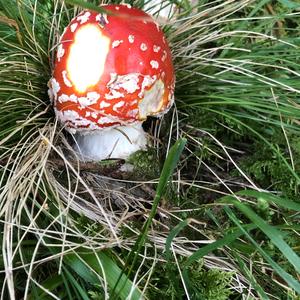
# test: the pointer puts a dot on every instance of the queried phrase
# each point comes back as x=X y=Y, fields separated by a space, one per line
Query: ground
x=209 y=211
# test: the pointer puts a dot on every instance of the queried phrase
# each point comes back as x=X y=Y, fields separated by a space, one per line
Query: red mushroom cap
x=111 y=69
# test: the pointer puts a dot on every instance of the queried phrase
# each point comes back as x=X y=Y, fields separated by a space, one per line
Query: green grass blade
x=290 y=280
x=250 y=277
x=66 y=286
x=79 y=289
x=84 y=262
x=274 y=235
x=50 y=284
x=173 y=233
x=227 y=240
x=283 y=202
x=289 y=4
x=88 y=5
x=168 y=169
x=263 y=139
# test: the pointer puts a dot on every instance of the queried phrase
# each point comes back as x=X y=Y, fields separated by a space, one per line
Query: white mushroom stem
x=117 y=142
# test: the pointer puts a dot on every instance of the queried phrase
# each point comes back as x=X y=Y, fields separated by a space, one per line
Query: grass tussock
x=225 y=227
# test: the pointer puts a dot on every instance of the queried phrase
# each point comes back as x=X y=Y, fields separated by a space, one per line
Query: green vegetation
x=213 y=217
x=145 y=164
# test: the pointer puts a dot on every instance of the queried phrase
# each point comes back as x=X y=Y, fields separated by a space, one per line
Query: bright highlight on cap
x=87 y=57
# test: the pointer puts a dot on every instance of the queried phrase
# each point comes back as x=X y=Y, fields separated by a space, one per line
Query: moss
x=145 y=164
x=96 y=295
x=269 y=170
x=88 y=226
x=211 y=284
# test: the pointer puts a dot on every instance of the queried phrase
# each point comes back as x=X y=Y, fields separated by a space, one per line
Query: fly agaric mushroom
x=111 y=72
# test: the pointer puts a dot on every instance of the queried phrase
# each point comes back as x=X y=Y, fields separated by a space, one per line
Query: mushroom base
x=117 y=142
